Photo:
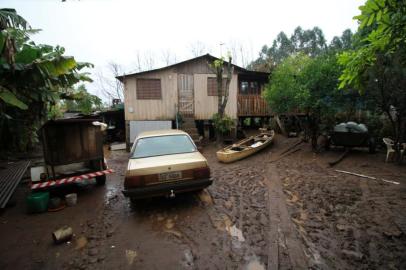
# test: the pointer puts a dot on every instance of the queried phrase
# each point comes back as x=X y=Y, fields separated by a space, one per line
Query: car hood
x=166 y=163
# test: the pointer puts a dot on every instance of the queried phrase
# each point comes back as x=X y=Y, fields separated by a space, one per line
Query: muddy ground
x=267 y=211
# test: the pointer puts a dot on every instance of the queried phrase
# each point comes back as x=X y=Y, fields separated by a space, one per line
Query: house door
x=186 y=94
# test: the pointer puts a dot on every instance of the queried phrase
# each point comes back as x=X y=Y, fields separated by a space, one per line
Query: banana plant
x=33 y=77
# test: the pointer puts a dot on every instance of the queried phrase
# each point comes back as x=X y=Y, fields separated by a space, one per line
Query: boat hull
x=227 y=155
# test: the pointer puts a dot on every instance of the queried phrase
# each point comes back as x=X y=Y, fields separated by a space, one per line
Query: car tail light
x=133 y=181
x=201 y=173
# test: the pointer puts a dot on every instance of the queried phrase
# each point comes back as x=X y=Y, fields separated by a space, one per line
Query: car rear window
x=163 y=145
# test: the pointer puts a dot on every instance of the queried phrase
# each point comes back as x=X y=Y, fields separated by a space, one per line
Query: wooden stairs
x=189 y=126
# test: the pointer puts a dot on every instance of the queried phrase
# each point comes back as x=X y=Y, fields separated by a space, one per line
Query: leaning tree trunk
x=314 y=129
x=219 y=79
x=222 y=94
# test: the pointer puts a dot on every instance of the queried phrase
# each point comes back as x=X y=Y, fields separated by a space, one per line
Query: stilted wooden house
x=154 y=98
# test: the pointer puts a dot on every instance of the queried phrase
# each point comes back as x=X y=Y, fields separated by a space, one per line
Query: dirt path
x=224 y=227
x=286 y=249
x=346 y=222
x=293 y=213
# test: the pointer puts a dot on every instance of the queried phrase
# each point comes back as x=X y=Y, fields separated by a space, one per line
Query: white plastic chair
x=390 y=152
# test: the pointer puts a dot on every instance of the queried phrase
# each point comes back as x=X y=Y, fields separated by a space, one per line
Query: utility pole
x=221 y=46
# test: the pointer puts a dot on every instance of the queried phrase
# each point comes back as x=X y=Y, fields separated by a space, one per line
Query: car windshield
x=163 y=145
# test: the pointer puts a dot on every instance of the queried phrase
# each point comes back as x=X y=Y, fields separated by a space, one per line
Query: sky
x=160 y=32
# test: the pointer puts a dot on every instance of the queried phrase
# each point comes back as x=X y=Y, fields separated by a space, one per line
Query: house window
x=244 y=88
x=149 y=89
x=254 y=88
x=250 y=88
x=212 y=86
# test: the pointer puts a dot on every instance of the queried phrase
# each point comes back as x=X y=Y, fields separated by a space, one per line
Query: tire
x=101 y=180
x=372 y=146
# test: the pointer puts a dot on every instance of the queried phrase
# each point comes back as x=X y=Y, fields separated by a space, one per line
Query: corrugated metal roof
x=10 y=177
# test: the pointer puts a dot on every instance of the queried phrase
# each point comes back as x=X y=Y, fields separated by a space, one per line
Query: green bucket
x=37 y=202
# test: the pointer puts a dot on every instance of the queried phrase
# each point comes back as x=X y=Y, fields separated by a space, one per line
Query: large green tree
x=32 y=78
x=383 y=31
x=306 y=84
x=377 y=66
x=83 y=101
x=345 y=42
x=310 y=42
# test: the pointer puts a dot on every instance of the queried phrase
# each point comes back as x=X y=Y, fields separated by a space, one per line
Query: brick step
x=189 y=129
x=188 y=125
x=188 y=120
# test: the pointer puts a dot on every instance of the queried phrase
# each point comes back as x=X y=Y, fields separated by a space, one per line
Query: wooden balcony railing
x=252 y=105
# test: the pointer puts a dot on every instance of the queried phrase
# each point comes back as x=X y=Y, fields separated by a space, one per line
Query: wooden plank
x=369 y=177
x=252 y=105
x=281 y=226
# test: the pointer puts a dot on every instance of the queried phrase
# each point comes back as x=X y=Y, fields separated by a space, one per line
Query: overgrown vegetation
x=33 y=79
x=305 y=79
x=309 y=85
x=82 y=101
x=362 y=73
x=376 y=67
x=223 y=124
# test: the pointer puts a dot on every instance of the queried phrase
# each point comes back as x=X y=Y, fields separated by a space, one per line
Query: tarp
x=351 y=127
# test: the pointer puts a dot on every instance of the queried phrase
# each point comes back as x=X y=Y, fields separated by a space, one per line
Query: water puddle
x=167 y=224
x=111 y=195
x=188 y=259
x=255 y=264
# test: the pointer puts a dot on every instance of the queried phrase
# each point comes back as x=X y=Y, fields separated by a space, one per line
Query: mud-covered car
x=165 y=163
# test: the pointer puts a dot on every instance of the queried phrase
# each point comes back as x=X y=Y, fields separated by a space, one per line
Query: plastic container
x=38 y=202
x=62 y=235
x=71 y=199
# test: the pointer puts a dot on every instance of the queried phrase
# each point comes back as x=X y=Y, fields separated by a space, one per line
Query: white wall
x=136 y=127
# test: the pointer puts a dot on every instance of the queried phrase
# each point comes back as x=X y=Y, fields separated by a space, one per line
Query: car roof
x=164 y=132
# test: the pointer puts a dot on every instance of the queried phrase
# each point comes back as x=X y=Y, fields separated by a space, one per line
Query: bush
x=222 y=125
